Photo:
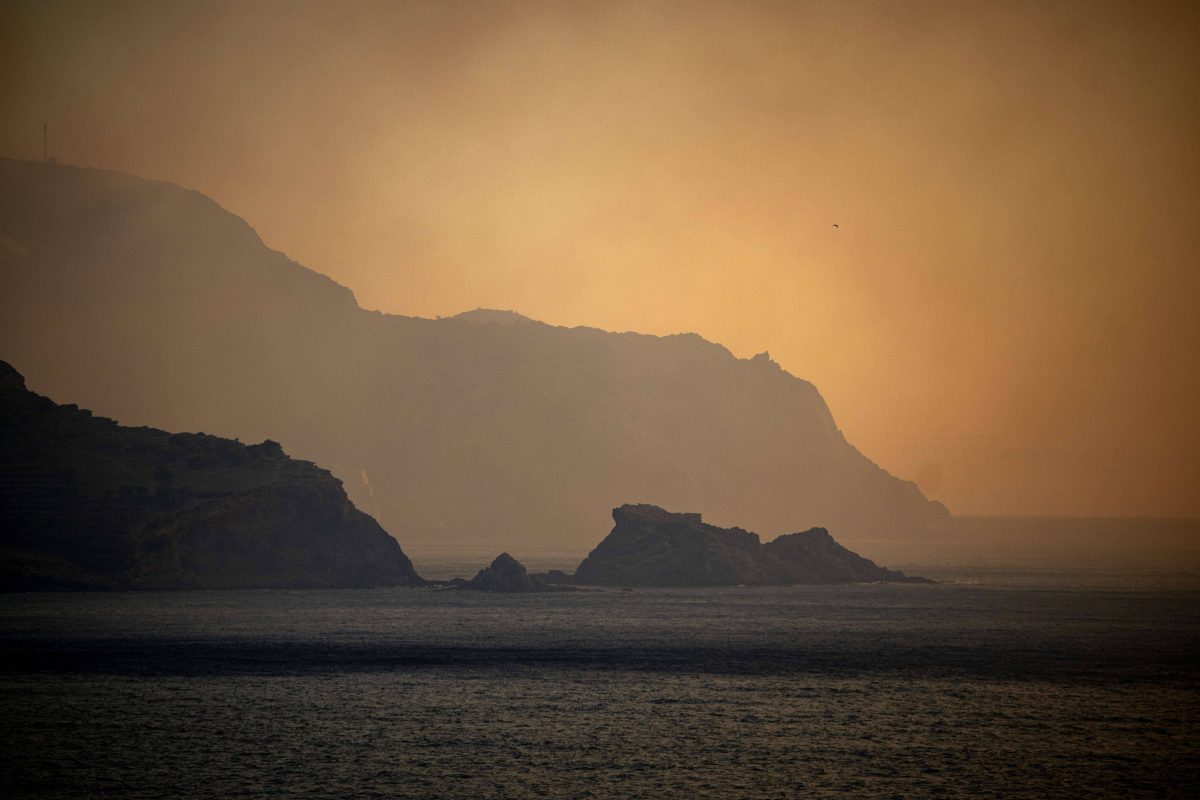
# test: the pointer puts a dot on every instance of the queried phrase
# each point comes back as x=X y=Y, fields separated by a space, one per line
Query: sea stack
x=649 y=546
x=506 y=574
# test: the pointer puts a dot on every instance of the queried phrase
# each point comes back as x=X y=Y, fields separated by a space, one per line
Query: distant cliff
x=88 y=504
x=150 y=303
x=652 y=547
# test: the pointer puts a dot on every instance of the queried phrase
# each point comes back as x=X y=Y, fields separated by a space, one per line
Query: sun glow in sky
x=1006 y=309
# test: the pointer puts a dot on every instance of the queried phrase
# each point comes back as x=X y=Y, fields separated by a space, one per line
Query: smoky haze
x=1005 y=310
x=149 y=303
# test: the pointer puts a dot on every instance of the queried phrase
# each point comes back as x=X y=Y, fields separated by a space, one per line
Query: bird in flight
x=835 y=224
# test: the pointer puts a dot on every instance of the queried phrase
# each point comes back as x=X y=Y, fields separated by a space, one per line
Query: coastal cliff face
x=652 y=547
x=88 y=504
x=151 y=303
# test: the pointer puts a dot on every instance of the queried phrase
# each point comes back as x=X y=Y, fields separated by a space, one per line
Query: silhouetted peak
x=10 y=379
x=162 y=225
x=507 y=565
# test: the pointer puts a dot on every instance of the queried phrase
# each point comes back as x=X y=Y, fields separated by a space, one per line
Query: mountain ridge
x=148 y=303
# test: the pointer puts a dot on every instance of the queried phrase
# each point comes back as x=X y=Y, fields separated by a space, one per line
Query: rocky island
x=86 y=503
x=507 y=575
x=649 y=546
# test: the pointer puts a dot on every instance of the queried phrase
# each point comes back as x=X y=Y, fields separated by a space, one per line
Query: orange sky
x=1008 y=309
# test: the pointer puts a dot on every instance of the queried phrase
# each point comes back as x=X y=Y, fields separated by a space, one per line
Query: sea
x=1072 y=671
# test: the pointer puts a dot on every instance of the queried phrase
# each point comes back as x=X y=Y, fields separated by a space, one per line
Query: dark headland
x=86 y=503
x=652 y=547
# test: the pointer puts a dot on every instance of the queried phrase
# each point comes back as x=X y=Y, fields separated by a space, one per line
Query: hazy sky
x=1008 y=310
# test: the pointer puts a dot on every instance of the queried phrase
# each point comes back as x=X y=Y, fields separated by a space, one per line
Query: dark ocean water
x=860 y=691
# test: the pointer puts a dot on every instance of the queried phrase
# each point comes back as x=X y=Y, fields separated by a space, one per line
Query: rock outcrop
x=88 y=504
x=652 y=547
x=506 y=574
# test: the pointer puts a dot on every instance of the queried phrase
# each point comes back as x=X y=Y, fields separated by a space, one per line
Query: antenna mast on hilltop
x=45 y=141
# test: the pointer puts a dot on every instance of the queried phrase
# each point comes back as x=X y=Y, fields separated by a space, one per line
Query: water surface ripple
x=866 y=691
